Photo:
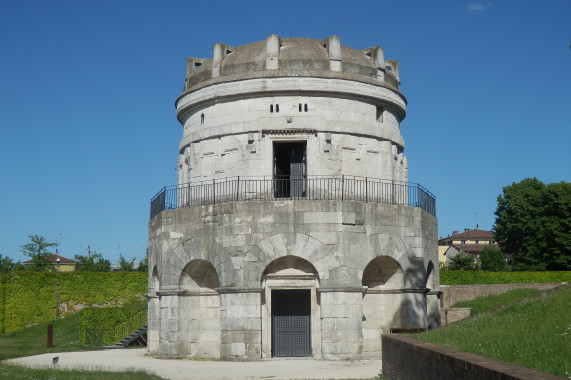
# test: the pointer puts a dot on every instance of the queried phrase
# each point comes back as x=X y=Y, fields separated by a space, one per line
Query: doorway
x=289 y=169
x=291 y=323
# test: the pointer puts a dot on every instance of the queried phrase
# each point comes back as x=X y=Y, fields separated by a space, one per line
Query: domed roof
x=293 y=57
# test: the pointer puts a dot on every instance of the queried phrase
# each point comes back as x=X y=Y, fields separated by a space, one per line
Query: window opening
x=380 y=112
x=201 y=118
x=271 y=108
x=305 y=107
x=299 y=107
x=277 y=108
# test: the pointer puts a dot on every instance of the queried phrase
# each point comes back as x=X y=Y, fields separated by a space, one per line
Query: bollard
x=50 y=342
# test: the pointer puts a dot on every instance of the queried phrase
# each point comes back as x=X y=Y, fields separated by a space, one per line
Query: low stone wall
x=411 y=359
x=452 y=294
x=454 y=314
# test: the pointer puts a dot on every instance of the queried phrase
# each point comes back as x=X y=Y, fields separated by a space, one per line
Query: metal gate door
x=291 y=317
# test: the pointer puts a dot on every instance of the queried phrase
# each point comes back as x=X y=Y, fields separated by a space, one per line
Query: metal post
x=342 y=187
x=366 y=190
x=213 y=191
x=238 y=189
x=57 y=290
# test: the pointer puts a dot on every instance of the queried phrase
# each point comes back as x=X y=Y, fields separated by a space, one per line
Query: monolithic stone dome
x=276 y=57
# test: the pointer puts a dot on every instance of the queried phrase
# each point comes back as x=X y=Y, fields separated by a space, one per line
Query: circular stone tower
x=293 y=229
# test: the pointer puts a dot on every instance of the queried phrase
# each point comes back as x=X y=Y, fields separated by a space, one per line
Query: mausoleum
x=293 y=229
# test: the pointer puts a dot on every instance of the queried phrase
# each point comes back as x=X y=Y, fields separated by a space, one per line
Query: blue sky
x=88 y=129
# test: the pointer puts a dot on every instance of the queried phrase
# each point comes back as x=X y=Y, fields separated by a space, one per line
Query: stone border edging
x=412 y=359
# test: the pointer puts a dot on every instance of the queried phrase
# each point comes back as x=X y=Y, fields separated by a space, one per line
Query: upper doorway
x=289 y=169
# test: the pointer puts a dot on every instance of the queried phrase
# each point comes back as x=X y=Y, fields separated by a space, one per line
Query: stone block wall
x=366 y=265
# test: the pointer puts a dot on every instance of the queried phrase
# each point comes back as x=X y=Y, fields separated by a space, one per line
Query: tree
x=492 y=259
x=92 y=263
x=144 y=264
x=37 y=250
x=462 y=261
x=125 y=265
x=6 y=264
x=533 y=222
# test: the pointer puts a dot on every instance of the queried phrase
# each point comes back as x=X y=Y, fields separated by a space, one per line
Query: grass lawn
x=32 y=341
x=535 y=334
x=482 y=304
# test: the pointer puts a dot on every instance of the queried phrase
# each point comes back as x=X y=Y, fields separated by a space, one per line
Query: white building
x=293 y=230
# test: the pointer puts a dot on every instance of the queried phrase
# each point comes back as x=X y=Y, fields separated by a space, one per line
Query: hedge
x=27 y=298
x=460 y=277
x=107 y=326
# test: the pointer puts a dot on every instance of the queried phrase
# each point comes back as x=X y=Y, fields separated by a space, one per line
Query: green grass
x=534 y=334
x=481 y=304
x=32 y=341
x=17 y=372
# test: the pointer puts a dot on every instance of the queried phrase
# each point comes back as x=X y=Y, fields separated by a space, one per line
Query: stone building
x=293 y=229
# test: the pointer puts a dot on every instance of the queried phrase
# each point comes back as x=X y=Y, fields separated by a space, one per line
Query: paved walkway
x=274 y=369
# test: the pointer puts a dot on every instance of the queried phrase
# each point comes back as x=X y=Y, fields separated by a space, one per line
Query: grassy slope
x=32 y=341
x=534 y=334
x=482 y=304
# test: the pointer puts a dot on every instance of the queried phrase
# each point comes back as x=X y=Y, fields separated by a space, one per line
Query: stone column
x=341 y=323
x=240 y=323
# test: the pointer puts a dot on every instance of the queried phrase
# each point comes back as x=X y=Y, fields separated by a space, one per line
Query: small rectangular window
x=380 y=112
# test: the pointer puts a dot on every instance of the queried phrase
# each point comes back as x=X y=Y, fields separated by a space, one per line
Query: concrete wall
x=411 y=359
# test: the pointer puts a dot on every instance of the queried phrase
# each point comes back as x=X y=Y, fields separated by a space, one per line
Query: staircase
x=138 y=339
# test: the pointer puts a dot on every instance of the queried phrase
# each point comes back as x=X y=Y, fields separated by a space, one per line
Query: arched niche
x=383 y=272
x=430 y=276
x=290 y=267
x=199 y=276
x=155 y=284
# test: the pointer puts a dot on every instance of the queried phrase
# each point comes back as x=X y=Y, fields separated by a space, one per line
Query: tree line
x=38 y=249
x=532 y=226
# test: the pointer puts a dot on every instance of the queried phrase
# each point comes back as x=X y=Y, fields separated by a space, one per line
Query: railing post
x=366 y=190
x=342 y=187
x=213 y=191
x=393 y=192
x=238 y=189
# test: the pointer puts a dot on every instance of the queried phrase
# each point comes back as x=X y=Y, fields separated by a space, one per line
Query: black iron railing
x=112 y=335
x=239 y=189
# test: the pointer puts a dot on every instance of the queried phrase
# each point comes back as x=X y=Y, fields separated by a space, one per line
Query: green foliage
x=107 y=326
x=37 y=250
x=532 y=334
x=144 y=264
x=484 y=277
x=462 y=261
x=481 y=304
x=94 y=263
x=29 y=297
x=125 y=265
x=6 y=264
x=533 y=222
x=492 y=259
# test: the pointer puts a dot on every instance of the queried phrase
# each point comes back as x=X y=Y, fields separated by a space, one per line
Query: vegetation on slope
x=535 y=334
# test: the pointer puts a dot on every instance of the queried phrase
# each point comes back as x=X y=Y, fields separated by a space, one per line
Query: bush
x=462 y=261
x=29 y=297
x=492 y=259
x=484 y=277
